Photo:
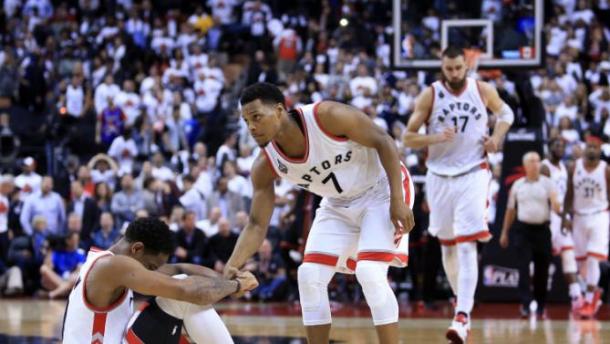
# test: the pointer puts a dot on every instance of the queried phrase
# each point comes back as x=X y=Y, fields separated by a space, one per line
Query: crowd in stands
x=112 y=110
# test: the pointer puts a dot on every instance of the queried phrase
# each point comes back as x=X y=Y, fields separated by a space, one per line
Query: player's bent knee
x=312 y=285
x=568 y=262
x=372 y=277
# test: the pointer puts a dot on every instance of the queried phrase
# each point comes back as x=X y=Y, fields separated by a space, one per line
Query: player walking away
x=335 y=151
x=562 y=241
x=100 y=305
x=455 y=112
x=587 y=202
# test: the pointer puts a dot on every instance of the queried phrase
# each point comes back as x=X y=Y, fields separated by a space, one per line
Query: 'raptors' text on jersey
x=467 y=115
x=332 y=166
x=590 y=195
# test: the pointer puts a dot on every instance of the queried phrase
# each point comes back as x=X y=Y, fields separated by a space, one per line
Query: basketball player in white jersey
x=563 y=244
x=587 y=202
x=337 y=152
x=454 y=110
x=100 y=305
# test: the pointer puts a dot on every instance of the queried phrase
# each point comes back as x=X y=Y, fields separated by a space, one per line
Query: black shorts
x=152 y=325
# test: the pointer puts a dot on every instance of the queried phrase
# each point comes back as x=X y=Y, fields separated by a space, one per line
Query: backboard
x=508 y=33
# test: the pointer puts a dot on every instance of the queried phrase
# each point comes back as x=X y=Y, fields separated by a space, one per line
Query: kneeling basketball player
x=99 y=307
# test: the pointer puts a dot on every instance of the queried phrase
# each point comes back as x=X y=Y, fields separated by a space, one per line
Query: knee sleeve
x=313 y=282
x=206 y=326
x=593 y=271
x=568 y=262
x=450 y=265
x=468 y=274
x=175 y=308
x=373 y=279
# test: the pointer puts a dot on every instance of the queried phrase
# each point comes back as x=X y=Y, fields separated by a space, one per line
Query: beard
x=591 y=156
x=456 y=85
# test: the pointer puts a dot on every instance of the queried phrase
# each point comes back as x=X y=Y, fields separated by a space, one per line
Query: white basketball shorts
x=344 y=232
x=458 y=206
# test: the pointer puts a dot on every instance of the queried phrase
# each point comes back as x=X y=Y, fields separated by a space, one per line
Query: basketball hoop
x=472 y=56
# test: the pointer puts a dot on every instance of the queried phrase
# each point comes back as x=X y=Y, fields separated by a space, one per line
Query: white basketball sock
x=450 y=263
x=468 y=274
x=206 y=326
x=575 y=290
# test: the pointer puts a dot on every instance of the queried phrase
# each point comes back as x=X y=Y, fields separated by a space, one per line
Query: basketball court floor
x=39 y=322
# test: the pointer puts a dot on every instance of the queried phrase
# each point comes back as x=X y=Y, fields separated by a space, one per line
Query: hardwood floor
x=37 y=321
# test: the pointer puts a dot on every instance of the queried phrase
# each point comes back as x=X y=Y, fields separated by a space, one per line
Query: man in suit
x=222 y=244
x=85 y=207
x=190 y=241
x=229 y=202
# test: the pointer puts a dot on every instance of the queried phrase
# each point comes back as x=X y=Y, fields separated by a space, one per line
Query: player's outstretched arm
x=347 y=121
x=122 y=271
x=187 y=269
x=503 y=112
x=263 y=202
x=423 y=106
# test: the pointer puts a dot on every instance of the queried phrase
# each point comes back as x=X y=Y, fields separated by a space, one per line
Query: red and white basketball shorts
x=590 y=233
x=562 y=240
x=346 y=231
x=458 y=207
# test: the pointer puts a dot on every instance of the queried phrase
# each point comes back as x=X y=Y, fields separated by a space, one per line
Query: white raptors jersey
x=559 y=176
x=332 y=167
x=590 y=195
x=85 y=323
x=465 y=112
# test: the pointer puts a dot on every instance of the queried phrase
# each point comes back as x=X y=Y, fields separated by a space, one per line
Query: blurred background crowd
x=116 y=109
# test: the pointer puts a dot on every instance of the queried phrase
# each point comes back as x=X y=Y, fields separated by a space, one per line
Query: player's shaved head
x=262 y=106
x=265 y=92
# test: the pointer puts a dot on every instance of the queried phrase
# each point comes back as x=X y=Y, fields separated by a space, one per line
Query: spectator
x=222 y=244
x=288 y=46
x=105 y=94
x=159 y=170
x=190 y=241
x=6 y=188
x=103 y=169
x=110 y=124
x=210 y=225
x=237 y=183
x=193 y=200
x=28 y=181
x=75 y=226
x=175 y=218
x=77 y=98
x=269 y=270
x=226 y=150
x=123 y=150
x=9 y=143
x=126 y=202
x=107 y=234
x=129 y=102
x=85 y=208
x=229 y=202
x=45 y=203
x=61 y=266
x=102 y=197
x=152 y=196
x=241 y=220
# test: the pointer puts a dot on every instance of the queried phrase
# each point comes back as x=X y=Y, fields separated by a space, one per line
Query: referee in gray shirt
x=531 y=200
